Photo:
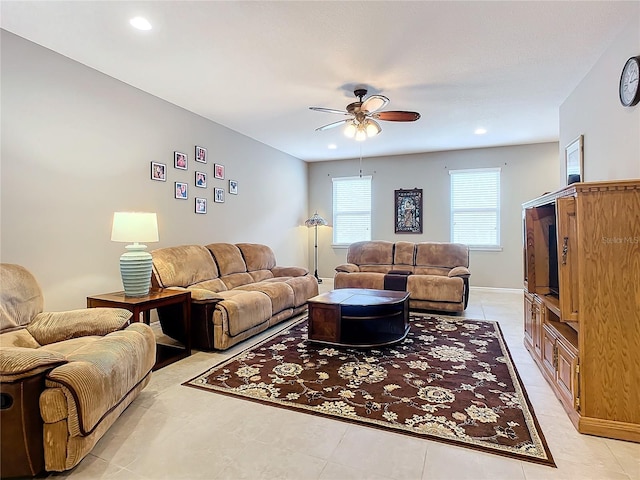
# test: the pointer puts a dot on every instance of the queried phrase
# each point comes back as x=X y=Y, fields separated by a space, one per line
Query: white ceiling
x=257 y=66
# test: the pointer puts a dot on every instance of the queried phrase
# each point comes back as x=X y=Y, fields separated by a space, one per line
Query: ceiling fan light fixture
x=361 y=133
x=350 y=130
x=372 y=128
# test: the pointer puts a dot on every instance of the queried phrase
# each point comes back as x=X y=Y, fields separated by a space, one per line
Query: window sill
x=486 y=248
x=340 y=245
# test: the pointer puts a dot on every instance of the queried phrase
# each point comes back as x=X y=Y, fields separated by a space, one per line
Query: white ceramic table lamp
x=135 y=263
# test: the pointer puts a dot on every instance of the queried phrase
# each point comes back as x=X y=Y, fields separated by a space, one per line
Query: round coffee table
x=358 y=317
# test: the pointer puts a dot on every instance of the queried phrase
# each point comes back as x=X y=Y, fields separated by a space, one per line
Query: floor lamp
x=314 y=221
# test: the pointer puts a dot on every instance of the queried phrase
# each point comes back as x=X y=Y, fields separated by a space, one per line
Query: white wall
x=77 y=146
x=611 y=131
x=527 y=172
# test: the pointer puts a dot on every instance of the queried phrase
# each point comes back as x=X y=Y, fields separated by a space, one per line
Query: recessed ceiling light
x=480 y=131
x=140 y=23
x=332 y=146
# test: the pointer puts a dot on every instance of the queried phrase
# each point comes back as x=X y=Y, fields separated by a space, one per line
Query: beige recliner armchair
x=65 y=377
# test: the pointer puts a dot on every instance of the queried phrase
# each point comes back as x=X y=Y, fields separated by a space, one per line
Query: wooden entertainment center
x=582 y=302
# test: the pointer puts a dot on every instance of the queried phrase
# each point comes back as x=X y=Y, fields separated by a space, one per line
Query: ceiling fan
x=363 y=115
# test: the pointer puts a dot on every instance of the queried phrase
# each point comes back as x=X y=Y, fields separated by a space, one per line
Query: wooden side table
x=165 y=354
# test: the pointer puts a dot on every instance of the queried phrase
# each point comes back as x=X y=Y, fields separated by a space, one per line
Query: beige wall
x=77 y=146
x=611 y=131
x=527 y=172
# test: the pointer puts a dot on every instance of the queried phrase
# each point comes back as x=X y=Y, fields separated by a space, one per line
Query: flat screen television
x=553 y=260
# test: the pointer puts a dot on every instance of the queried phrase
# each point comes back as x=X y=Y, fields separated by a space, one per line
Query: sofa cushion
x=18 y=338
x=404 y=253
x=228 y=257
x=101 y=374
x=243 y=310
x=260 y=275
x=359 y=280
x=215 y=285
x=52 y=327
x=376 y=268
x=257 y=256
x=377 y=252
x=236 y=280
x=183 y=266
x=20 y=297
x=303 y=289
x=442 y=254
x=436 y=288
x=444 y=271
x=280 y=294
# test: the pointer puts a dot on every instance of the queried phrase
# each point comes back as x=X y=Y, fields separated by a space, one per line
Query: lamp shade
x=134 y=227
x=315 y=220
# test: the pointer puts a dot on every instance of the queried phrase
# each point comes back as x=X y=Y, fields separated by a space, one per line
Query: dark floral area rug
x=451 y=380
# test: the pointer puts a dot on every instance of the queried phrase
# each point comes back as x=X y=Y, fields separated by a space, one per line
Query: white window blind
x=475 y=207
x=351 y=210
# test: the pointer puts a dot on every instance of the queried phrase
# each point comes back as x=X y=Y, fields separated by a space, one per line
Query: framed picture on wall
x=158 y=171
x=218 y=195
x=201 y=205
x=201 y=154
x=574 y=161
x=408 y=211
x=180 y=160
x=181 y=191
x=218 y=171
x=201 y=179
x=233 y=187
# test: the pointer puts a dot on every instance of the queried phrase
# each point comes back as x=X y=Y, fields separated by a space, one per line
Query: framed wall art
x=218 y=171
x=233 y=187
x=574 y=161
x=408 y=211
x=201 y=179
x=218 y=195
x=158 y=171
x=180 y=160
x=201 y=205
x=201 y=154
x=181 y=191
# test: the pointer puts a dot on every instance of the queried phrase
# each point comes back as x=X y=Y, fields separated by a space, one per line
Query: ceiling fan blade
x=374 y=103
x=397 y=116
x=329 y=110
x=333 y=125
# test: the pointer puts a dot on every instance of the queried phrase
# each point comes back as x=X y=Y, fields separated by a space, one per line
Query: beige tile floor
x=177 y=432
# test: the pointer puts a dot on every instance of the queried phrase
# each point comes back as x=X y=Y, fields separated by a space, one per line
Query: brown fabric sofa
x=65 y=377
x=237 y=291
x=438 y=273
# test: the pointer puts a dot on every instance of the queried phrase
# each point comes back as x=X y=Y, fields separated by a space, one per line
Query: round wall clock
x=629 y=90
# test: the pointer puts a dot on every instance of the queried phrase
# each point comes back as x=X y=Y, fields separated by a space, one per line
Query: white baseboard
x=497 y=289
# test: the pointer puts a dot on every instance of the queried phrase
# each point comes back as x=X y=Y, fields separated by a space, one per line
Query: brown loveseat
x=65 y=377
x=236 y=290
x=438 y=273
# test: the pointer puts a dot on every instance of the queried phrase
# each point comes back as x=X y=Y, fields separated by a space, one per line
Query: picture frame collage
x=160 y=173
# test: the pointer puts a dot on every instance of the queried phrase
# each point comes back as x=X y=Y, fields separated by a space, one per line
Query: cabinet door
x=567 y=258
x=539 y=314
x=549 y=353
x=566 y=381
x=528 y=321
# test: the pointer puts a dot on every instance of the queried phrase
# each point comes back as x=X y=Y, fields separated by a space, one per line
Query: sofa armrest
x=462 y=272
x=20 y=362
x=289 y=271
x=53 y=327
x=348 y=268
x=202 y=295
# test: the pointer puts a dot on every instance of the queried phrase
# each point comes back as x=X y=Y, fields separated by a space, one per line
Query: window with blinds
x=351 y=210
x=475 y=207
